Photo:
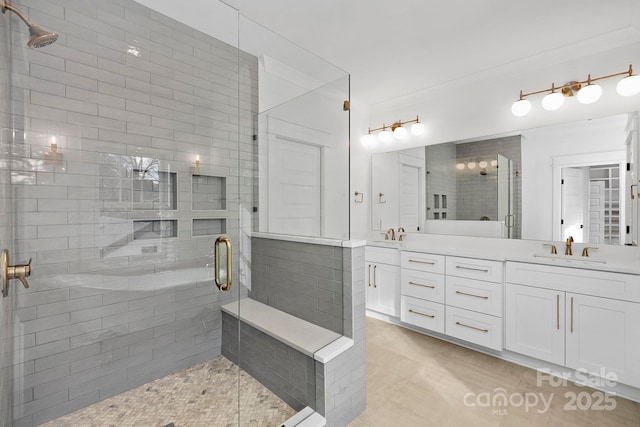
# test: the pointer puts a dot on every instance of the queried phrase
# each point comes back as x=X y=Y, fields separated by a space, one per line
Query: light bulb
x=460 y=166
x=482 y=164
x=471 y=165
x=385 y=136
x=368 y=140
x=521 y=108
x=553 y=101
x=494 y=163
x=417 y=129
x=589 y=94
x=629 y=86
x=400 y=132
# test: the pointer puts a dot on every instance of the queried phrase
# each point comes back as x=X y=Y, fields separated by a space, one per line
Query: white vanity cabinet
x=582 y=319
x=422 y=289
x=382 y=269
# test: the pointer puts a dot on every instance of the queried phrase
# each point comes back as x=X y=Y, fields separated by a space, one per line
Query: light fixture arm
x=6 y=6
x=570 y=87
x=395 y=125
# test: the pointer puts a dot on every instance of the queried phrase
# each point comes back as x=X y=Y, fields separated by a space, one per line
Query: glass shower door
x=505 y=195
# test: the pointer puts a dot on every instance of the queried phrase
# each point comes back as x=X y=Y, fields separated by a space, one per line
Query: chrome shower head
x=39 y=37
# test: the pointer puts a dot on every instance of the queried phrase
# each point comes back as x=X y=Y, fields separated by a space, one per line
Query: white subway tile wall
x=123 y=89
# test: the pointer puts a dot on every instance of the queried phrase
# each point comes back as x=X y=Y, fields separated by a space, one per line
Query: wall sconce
x=396 y=130
x=586 y=92
x=195 y=169
x=53 y=157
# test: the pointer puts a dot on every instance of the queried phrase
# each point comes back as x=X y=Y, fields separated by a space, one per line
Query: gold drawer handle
x=430 y=316
x=423 y=262
x=472 y=327
x=471 y=295
x=424 y=286
x=484 y=270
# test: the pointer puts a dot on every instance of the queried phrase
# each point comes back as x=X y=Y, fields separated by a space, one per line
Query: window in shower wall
x=154 y=189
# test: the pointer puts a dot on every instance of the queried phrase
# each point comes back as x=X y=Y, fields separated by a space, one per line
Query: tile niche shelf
x=208 y=193
x=209 y=226
x=154 y=190
x=144 y=229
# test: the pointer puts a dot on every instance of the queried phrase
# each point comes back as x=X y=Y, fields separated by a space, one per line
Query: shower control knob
x=9 y=272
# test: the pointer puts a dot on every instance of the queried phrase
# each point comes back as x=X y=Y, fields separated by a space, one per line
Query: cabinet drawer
x=472 y=268
x=477 y=328
x=382 y=255
x=476 y=295
x=423 y=262
x=421 y=313
x=582 y=281
x=423 y=285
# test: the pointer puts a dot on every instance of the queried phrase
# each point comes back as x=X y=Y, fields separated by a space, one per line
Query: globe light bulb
x=385 y=136
x=471 y=165
x=521 y=108
x=368 y=140
x=589 y=94
x=482 y=163
x=460 y=166
x=553 y=101
x=417 y=129
x=629 y=86
x=400 y=133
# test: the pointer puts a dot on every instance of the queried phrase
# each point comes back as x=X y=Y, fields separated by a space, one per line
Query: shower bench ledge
x=297 y=333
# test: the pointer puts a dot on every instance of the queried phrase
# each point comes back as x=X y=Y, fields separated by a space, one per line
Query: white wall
x=540 y=146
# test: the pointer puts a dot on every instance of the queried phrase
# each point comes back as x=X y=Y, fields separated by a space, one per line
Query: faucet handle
x=386 y=236
x=585 y=251
x=553 y=247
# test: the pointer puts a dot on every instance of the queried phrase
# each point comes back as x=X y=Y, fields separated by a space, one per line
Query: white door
x=573 y=203
x=595 y=224
x=294 y=188
x=410 y=197
x=603 y=337
x=534 y=322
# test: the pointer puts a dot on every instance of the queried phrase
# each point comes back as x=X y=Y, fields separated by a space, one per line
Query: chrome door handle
x=9 y=272
x=226 y=285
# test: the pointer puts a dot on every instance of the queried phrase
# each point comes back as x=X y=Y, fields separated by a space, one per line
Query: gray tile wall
x=301 y=279
x=441 y=179
x=124 y=88
x=341 y=383
x=287 y=372
x=477 y=194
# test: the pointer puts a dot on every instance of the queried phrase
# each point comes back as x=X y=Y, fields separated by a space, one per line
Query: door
x=294 y=186
x=603 y=338
x=505 y=195
x=573 y=203
x=410 y=197
x=596 y=224
x=534 y=320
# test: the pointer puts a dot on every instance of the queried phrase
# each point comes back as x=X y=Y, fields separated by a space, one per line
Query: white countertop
x=619 y=259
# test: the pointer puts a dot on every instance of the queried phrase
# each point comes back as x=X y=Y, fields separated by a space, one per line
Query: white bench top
x=297 y=333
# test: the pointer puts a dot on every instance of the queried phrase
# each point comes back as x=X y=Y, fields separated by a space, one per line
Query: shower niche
x=209 y=194
x=154 y=190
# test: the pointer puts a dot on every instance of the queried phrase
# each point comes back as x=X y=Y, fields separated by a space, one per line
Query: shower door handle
x=227 y=284
x=9 y=272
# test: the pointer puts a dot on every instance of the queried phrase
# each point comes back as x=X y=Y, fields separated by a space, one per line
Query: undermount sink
x=570 y=258
x=390 y=243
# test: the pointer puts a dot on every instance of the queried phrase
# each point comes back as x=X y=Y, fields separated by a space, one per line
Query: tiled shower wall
x=124 y=90
x=477 y=194
x=441 y=179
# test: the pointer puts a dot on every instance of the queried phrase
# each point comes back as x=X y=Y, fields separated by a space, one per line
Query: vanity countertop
x=608 y=258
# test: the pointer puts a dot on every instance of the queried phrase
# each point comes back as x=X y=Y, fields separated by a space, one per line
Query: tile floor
x=416 y=380
x=205 y=395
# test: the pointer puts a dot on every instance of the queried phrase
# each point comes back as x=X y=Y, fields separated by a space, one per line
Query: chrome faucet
x=567 y=249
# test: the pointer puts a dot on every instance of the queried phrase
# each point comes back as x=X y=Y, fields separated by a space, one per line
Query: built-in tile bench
x=280 y=350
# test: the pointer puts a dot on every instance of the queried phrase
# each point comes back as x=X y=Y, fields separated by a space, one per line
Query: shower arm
x=6 y=6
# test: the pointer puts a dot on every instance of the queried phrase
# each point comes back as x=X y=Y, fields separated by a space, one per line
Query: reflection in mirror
x=480 y=181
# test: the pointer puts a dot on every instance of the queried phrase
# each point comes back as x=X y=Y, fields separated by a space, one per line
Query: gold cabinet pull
x=472 y=295
x=633 y=196
x=423 y=262
x=472 y=327
x=424 y=286
x=9 y=272
x=461 y=267
x=430 y=316
x=375 y=276
x=558 y=311
x=369 y=275
x=226 y=285
x=571 y=314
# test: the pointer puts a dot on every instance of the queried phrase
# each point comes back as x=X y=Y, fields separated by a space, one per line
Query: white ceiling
x=392 y=49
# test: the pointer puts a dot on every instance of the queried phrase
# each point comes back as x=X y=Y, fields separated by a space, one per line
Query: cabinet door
x=372 y=292
x=534 y=321
x=603 y=337
x=383 y=291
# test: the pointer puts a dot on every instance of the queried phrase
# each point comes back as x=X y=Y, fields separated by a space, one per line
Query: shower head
x=39 y=37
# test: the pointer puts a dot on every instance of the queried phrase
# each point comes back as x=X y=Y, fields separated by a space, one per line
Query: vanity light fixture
x=395 y=131
x=587 y=92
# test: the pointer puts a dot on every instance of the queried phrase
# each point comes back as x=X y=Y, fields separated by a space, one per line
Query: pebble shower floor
x=204 y=395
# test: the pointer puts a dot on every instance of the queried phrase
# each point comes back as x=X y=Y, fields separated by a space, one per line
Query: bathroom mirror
x=512 y=186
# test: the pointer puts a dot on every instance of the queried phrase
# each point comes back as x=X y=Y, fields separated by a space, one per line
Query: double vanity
x=569 y=315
